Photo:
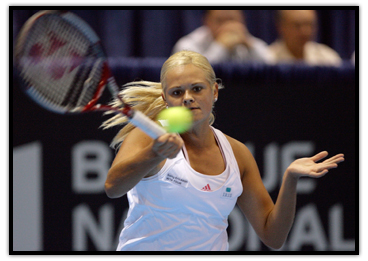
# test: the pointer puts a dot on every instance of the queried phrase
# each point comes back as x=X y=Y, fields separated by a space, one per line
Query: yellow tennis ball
x=176 y=119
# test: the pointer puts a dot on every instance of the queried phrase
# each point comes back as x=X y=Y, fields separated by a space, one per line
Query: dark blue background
x=153 y=33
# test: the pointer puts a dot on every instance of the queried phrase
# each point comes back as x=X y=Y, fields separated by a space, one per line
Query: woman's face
x=186 y=85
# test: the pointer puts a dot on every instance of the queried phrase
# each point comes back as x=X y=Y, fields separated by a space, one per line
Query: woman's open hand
x=310 y=168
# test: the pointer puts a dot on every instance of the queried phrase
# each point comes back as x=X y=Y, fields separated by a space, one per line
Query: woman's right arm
x=139 y=156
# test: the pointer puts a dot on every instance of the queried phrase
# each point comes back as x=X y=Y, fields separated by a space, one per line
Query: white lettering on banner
x=307 y=225
x=337 y=230
x=27 y=198
x=90 y=158
x=308 y=230
x=85 y=224
x=94 y=157
x=286 y=154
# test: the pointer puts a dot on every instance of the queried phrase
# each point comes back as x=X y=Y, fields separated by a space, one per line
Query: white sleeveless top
x=207 y=182
x=167 y=213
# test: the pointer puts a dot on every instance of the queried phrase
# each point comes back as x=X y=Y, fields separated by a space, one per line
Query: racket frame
x=135 y=117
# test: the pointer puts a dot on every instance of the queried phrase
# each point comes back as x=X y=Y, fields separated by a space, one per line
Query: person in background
x=224 y=37
x=297 y=30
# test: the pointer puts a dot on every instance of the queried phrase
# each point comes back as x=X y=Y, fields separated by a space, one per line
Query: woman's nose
x=188 y=99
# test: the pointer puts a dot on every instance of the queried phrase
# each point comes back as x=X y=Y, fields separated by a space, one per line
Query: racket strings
x=66 y=57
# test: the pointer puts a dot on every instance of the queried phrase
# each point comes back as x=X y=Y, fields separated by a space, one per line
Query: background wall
x=280 y=112
x=153 y=33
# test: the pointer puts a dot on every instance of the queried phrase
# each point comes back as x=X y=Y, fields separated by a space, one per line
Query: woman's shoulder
x=242 y=155
x=239 y=148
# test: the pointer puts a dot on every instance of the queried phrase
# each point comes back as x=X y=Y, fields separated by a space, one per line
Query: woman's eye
x=176 y=93
x=197 y=88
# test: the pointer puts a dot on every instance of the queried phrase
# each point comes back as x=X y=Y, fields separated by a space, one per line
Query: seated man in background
x=224 y=37
x=297 y=30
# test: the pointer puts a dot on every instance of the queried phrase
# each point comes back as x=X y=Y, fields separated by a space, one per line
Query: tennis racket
x=63 y=68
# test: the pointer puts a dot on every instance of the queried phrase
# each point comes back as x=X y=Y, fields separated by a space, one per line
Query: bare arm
x=272 y=222
x=281 y=217
x=255 y=201
x=139 y=156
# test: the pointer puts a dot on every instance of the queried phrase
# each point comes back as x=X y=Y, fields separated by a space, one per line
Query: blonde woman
x=181 y=188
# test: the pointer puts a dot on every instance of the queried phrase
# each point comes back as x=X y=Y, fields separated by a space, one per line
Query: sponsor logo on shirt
x=206 y=188
x=226 y=193
x=176 y=180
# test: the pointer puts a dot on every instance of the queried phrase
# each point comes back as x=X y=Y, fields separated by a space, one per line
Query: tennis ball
x=176 y=119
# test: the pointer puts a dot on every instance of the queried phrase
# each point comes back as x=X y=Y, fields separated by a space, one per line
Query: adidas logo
x=206 y=188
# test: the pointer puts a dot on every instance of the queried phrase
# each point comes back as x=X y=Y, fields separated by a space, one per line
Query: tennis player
x=182 y=188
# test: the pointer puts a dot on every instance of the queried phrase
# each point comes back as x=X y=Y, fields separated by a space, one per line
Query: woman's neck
x=200 y=137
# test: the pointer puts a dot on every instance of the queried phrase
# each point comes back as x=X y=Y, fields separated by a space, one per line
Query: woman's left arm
x=281 y=217
x=272 y=222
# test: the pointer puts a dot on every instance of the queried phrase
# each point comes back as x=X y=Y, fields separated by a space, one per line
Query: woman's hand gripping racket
x=64 y=69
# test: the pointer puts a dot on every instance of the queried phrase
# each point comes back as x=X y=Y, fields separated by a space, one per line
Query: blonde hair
x=146 y=96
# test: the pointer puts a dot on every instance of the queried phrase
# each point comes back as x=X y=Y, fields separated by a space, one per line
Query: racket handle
x=151 y=128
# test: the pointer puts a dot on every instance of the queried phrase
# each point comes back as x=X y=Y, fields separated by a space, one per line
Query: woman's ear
x=163 y=96
x=215 y=92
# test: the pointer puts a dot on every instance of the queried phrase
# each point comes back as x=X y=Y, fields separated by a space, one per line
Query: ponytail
x=143 y=96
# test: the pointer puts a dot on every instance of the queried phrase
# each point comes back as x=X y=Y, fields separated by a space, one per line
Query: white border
x=6 y=117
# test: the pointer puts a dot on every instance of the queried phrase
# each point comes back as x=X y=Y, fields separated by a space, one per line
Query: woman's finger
x=335 y=159
x=319 y=156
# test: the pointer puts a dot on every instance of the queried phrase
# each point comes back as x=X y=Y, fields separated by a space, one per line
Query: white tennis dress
x=168 y=213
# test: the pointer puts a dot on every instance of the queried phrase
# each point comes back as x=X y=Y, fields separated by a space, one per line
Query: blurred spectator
x=297 y=30
x=224 y=37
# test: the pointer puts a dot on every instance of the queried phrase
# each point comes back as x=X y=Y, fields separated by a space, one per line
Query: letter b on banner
x=90 y=163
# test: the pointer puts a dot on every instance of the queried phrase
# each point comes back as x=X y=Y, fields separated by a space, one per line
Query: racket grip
x=151 y=128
